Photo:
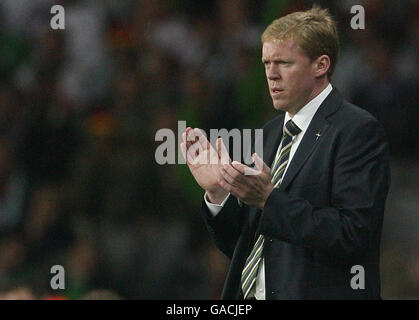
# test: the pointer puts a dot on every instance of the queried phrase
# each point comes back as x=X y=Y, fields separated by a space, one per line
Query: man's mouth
x=276 y=91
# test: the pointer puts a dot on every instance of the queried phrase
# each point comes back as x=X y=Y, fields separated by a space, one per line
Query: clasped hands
x=218 y=175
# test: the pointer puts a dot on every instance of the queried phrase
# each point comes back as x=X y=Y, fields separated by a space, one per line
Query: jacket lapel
x=307 y=146
x=318 y=126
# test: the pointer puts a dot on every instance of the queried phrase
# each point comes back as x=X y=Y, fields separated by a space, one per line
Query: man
x=296 y=228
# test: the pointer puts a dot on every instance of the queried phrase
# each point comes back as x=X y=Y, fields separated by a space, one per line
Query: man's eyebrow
x=275 y=60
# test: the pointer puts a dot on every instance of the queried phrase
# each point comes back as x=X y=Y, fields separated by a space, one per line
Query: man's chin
x=279 y=106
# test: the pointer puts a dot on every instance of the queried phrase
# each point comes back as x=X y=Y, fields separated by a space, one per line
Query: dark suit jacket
x=325 y=217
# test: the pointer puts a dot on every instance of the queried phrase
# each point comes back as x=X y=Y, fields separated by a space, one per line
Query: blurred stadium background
x=79 y=109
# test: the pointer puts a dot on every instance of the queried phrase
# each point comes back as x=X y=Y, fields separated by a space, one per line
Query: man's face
x=290 y=75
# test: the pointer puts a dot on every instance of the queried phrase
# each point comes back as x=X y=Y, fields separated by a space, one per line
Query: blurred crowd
x=80 y=107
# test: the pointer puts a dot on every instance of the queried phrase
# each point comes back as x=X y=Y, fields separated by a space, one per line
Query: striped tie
x=250 y=270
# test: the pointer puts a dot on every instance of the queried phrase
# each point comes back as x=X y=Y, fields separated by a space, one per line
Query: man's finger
x=202 y=138
x=185 y=133
x=236 y=172
x=260 y=165
x=226 y=186
x=192 y=152
x=191 y=135
x=229 y=188
x=183 y=150
x=243 y=169
x=203 y=145
x=187 y=138
x=229 y=179
x=222 y=152
x=186 y=156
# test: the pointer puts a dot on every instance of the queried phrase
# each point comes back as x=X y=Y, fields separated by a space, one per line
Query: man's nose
x=272 y=73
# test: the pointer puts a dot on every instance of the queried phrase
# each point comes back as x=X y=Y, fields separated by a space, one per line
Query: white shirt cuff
x=213 y=208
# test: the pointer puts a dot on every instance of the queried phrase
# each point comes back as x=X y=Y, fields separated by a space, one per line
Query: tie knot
x=291 y=129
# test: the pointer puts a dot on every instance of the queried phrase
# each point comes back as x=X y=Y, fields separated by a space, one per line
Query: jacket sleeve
x=225 y=227
x=352 y=222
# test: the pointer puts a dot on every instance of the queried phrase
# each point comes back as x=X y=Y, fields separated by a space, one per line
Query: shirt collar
x=303 y=117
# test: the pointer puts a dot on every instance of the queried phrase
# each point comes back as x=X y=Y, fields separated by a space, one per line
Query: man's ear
x=321 y=65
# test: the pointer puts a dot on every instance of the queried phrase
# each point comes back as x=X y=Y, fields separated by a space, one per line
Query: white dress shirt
x=302 y=119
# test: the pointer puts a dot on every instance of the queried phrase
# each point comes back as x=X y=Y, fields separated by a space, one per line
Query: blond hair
x=314 y=30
